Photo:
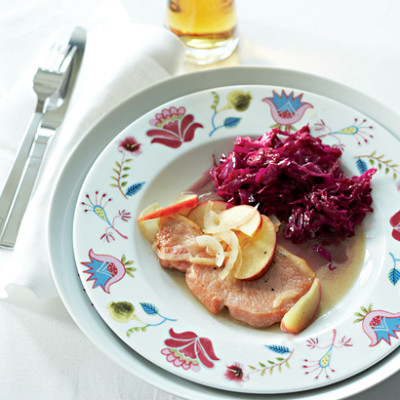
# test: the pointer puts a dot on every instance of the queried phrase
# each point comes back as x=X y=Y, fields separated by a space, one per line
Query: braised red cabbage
x=298 y=178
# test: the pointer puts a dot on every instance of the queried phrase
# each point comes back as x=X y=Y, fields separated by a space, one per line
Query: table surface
x=355 y=43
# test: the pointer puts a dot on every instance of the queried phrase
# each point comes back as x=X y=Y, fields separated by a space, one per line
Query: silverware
x=53 y=83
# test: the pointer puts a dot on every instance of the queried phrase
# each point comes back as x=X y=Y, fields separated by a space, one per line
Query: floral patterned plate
x=150 y=309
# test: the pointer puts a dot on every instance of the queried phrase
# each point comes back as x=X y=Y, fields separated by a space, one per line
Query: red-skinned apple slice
x=304 y=311
x=150 y=227
x=197 y=214
x=180 y=207
x=257 y=251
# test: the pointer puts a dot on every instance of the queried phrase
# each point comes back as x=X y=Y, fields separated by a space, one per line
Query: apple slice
x=150 y=227
x=257 y=251
x=180 y=207
x=197 y=214
x=244 y=218
x=183 y=197
x=304 y=311
x=252 y=225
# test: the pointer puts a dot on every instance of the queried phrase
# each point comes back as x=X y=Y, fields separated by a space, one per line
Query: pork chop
x=176 y=240
x=258 y=303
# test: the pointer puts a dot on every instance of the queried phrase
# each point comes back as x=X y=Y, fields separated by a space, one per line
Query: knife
x=46 y=130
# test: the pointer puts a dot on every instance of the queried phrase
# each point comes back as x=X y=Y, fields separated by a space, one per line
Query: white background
x=43 y=355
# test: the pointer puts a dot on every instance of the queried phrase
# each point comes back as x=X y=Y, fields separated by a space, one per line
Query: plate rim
x=190 y=83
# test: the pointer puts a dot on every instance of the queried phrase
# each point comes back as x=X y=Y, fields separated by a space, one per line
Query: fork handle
x=15 y=175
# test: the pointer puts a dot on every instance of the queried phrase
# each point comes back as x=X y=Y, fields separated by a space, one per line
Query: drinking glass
x=208 y=28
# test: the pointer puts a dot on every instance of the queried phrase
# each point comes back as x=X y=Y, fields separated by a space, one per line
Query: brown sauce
x=347 y=260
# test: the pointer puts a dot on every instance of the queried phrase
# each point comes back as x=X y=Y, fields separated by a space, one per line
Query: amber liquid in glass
x=203 y=24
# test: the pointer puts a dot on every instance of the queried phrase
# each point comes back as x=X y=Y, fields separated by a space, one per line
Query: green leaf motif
x=357 y=314
x=364 y=310
x=130 y=271
x=216 y=101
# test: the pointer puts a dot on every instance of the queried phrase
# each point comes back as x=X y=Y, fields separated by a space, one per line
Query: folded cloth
x=121 y=58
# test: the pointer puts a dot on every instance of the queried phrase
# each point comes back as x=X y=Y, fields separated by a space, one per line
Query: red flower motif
x=173 y=127
x=130 y=145
x=395 y=222
x=187 y=350
x=124 y=215
x=235 y=373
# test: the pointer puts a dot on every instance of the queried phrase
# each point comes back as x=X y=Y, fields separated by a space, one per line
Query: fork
x=46 y=83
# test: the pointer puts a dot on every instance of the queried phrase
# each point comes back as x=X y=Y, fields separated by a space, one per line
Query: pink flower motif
x=167 y=114
x=173 y=127
x=104 y=270
x=178 y=360
x=286 y=109
x=381 y=325
x=188 y=351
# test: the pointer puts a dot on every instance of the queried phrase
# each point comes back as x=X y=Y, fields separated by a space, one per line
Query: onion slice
x=172 y=256
x=213 y=247
x=230 y=238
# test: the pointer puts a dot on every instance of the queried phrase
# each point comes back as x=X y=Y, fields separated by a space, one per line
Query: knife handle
x=24 y=190
x=14 y=177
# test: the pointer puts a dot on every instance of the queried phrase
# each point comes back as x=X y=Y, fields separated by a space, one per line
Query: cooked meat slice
x=259 y=303
x=175 y=242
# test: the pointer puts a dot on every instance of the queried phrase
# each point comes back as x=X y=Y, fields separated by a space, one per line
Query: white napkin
x=120 y=59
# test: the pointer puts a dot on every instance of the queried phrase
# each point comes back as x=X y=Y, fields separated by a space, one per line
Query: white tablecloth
x=43 y=355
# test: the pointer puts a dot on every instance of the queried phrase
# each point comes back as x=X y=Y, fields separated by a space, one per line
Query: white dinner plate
x=334 y=348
